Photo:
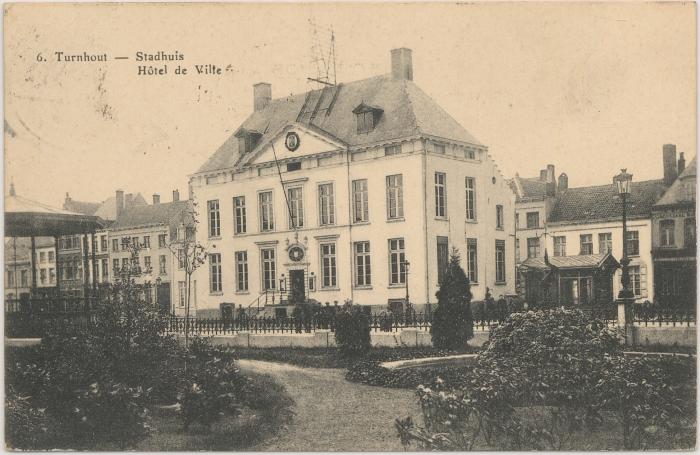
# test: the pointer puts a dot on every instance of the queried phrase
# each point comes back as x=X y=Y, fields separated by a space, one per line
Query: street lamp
x=406 y=268
x=623 y=182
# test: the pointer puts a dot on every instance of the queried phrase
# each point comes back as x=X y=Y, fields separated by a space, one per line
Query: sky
x=588 y=87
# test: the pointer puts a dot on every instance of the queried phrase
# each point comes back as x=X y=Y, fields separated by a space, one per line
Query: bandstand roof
x=27 y=218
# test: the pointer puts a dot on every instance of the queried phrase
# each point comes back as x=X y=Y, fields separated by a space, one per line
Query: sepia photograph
x=350 y=227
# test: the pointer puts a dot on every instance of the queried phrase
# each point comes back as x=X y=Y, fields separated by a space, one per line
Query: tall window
x=472 y=261
x=296 y=207
x=105 y=269
x=586 y=244
x=42 y=256
x=180 y=258
x=533 y=220
x=239 y=214
x=360 y=201
x=42 y=276
x=636 y=280
x=135 y=242
x=500 y=261
x=161 y=240
x=394 y=196
x=633 y=243
x=267 y=222
x=605 y=242
x=365 y=121
x=215 y=272
x=517 y=221
x=363 y=268
x=147 y=263
x=269 y=268
x=440 y=197
x=559 y=245
x=326 y=204
x=533 y=247
x=146 y=241
x=125 y=266
x=442 y=258
x=214 y=220
x=499 y=217
x=328 y=266
x=52 y=255
x=115 y=266
x=689 y=232
x=517 y=251
x=397 y=262
x=161 y=265
x=241 y=271
x=470 y=186
x=24 y=277
x=125 y=243
x=103 y=243
x=666 y=232
x=182 y=293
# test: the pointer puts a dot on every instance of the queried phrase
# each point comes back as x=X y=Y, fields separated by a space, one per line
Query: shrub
x=452 y=323
x=26 y=427
x=352 y=331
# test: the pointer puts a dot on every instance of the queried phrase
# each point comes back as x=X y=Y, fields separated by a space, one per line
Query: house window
x=472 y=261
x=267 y=222
x=115 y=266
x=147 y=263
x=360 y=201
x=469 y=154
x=440 y=197
x=161 y=265
x=533 y=247
x=146 y=241
x=24 y=277
x=52 y=256
x=442 y=258
x=215 y=272
x=500 y=261
x=326 y=204
x=586 y=243
x=328 y=265
x=689 y=232
x=559 y=246
x=633 y=243
x=125 y=266
x=42 y=257
x=42 y=276
x=636 y=280
x=517 y=251
x=365 y=121
x=125 y=243
x=241 y=271
x=397 y=262
x=439 y=148
x=517 y=221
x=296 y=207
x=363 y=268
x=105 y=269
x=182 y=293
x=533 y=220
x=52 y=273
x=666 y=232
x=135 y=242
x=269 y=268
x=10 y=278
x=470 y=186
x=499 y=217
x=392 y=150
x=295 y=166
x=239 y=213
x=605 y=242
x=214 y=220
x=181 y=258
x=103 y=243
x=161 y=241
x=394 y=196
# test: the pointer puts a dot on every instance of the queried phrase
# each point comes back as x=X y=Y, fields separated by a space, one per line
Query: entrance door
x=297 y=291
x=164 y=297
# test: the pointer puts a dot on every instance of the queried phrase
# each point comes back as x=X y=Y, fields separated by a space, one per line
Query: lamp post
x=623 y=182
x=406 y=268
x=158 y=283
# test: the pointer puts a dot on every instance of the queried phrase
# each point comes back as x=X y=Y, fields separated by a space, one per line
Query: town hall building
x=356 y=191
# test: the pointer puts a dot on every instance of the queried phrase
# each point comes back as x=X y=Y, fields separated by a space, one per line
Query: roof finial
x=12 y=189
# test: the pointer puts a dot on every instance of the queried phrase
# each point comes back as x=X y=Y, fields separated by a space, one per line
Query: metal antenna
x=323 y=55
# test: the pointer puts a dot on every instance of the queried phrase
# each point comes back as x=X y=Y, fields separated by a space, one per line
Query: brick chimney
x=262 y=94
x=563 y=183
x=551 y=184
x=156 y=199
x=65 y=202
x=402 y=64
x=681 y=164
x=543 y=175
x=670 y=164
x=129 y=199
x=120 y=202
x=176 y=195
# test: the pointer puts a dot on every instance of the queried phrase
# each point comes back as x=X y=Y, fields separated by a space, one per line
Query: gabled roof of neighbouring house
x=683 y=188
x=107 y=210
x=406 y=111
x=528 y=188
x=591 y=204
x=166 y=213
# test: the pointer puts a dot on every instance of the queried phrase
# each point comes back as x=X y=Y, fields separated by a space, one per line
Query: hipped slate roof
x=593 y=204
x=682 y=190
x=570 y=262
x=167 y=213
x=407 y=111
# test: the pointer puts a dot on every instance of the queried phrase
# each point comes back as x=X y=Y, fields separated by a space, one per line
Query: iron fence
x=657 y=314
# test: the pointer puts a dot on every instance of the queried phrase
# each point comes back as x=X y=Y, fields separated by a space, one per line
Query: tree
x=452 y=323
x=190 y=255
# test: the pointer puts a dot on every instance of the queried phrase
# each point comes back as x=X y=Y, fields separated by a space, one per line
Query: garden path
x=332 y=414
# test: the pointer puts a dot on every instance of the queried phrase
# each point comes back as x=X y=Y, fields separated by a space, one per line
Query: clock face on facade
x=296 y=253
x=292 y=141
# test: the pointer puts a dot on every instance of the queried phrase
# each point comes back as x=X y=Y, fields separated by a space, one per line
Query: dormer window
x=367 y=117
x=247 y=140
